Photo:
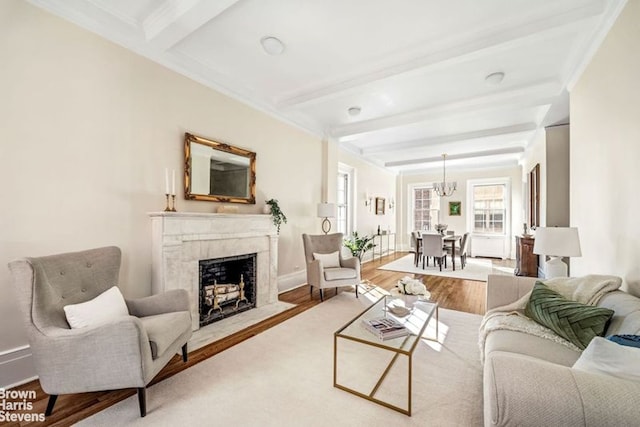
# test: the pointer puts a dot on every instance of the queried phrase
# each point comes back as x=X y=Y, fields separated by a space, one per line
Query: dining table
x=449 y=240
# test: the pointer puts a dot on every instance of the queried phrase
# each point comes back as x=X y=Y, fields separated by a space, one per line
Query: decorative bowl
x=440 y=228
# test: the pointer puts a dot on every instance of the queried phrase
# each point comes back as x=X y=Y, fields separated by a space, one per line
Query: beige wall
x=557 y=177
x=536 y=153
x=377 y=182
x=605 y=151
x=86 y=132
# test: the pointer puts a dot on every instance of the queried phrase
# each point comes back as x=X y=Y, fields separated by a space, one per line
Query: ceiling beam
x=517 y=34
x=427 y=160
x=537 y=94
x=176 y=19
x=447 y=139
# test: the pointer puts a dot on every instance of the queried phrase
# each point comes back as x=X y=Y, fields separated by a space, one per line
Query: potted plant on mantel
x=277 y=215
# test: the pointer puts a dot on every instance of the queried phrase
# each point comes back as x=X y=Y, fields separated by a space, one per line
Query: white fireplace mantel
x=181 y=240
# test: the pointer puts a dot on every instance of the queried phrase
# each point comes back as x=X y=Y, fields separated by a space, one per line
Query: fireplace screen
x=227 y=287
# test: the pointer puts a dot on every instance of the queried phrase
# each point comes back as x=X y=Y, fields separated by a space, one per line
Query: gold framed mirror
x=218 y=172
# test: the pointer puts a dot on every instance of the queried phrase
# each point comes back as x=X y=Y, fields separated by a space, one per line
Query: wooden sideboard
x=526 y=260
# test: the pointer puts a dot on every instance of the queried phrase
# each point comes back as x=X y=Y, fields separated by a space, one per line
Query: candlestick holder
x=173 y=203
x=168 y=207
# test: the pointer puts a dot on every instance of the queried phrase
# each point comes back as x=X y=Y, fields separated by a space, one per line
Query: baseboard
x=16 y=367
x=291 y=281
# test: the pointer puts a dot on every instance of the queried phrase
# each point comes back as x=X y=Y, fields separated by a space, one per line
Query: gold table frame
x=400 y=346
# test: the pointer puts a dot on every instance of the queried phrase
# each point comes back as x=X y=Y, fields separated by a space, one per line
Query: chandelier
x=444 y=188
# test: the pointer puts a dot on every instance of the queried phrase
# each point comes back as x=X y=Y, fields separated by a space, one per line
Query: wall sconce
x=368 y=200
x=391 y=203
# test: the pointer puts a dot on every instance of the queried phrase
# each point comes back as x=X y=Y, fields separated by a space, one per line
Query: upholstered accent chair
x=323 y=271
x=433 y=246
x=126 y=352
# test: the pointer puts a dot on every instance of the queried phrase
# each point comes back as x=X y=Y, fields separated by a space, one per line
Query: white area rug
x=475 y=269
x=283 y=377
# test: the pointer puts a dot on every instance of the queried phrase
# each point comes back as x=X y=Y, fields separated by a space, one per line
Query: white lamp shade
x=327 y=210
x=557 y=241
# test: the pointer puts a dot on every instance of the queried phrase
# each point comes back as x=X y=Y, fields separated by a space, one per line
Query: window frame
x=350 y=173
x=411 y=189
x=508 y=211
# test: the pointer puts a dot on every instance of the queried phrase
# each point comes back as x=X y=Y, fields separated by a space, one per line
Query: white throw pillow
x=606 y=357
x=331 y=260
x=104 y=308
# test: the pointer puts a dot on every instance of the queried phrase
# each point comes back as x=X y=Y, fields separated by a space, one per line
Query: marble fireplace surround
x=181 y=240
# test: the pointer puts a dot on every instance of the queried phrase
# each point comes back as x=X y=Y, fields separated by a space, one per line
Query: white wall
x=86 y=131
x=605 y=153
x=459 y=223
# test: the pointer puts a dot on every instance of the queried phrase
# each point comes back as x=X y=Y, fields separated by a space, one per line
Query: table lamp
x=557 y=242
x=326 y=211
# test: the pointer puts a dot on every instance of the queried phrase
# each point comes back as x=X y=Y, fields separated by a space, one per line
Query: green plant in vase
x=359 y=245
x=277 y=215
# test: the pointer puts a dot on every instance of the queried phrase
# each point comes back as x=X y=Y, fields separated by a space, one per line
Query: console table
x=526 y=260
x=379 y=240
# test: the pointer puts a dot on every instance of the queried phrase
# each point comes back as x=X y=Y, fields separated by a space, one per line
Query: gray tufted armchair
x=321 y=276
x=125 y=353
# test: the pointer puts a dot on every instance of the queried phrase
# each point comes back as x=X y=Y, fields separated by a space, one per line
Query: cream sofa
x=529 y=381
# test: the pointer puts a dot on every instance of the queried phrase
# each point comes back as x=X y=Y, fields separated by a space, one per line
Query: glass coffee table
x=374 y=369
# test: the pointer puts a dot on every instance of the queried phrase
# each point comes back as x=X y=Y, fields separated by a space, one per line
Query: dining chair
x=416 y=247
x=463 y=249
x=460 y=249
x=433 y=246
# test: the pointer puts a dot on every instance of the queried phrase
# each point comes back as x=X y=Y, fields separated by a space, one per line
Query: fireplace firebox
x=227 y=287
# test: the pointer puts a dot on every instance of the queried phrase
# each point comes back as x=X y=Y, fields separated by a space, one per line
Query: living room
x=91 y=127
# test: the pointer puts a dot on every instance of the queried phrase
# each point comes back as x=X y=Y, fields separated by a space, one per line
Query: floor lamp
x=556 y=242
x=326 y=211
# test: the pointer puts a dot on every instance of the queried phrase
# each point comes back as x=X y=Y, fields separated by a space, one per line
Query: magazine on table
x=385 y=328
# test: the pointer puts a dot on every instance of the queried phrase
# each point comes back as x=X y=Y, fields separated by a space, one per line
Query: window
x=425 y=208
x=343 y=196
x=489 y=208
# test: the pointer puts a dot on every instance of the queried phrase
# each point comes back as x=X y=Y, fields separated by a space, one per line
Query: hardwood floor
x=455 y=294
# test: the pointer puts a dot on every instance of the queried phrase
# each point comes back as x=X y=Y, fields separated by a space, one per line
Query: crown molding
x=593 y=43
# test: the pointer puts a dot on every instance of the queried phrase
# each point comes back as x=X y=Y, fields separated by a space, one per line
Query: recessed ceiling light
x=354 y=111
x=272 y=45
x=494 y=79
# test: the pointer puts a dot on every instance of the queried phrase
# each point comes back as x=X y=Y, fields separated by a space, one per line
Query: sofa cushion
x=102 y=309
x=626 y=319
x=606 y=357
x=331 y=260
x=339 y=273
x=573 y=321
x=529 y=345
x=164 y=329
